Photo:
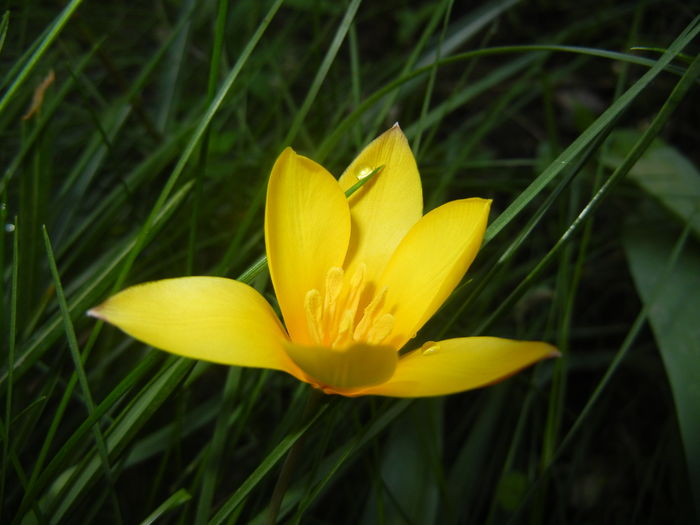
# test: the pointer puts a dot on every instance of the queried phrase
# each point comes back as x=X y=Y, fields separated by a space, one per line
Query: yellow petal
x=455 y=365
x=208 y=318
x=385 y=208
x=336 y=371
x=430 y=262
x=307 y=229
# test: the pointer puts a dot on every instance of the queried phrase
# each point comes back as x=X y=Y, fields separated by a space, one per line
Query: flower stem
x=291 y=460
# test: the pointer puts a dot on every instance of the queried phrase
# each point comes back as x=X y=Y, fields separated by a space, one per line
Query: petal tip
x=553 y=354
x=288 y=151
x=547 y=351
x=394 y=133
x=485 y=202
x=96 y=313
x=474 y=201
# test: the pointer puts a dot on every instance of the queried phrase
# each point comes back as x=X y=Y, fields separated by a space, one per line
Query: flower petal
x=307 y=229
x=208 y=318
x=336 y=371
x=385 y=208
x=455 y=365
x=430 y=262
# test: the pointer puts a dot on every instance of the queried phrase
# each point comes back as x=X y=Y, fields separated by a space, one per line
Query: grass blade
x=79 y=369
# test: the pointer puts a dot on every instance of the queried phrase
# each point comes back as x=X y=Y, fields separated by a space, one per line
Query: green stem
x=291 y=460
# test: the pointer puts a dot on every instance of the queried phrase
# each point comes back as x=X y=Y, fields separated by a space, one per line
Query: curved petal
x=385 y=208
x=455 y=365
x=430 y=262
x=336 y=371
x=307 y=229
x=208 y=318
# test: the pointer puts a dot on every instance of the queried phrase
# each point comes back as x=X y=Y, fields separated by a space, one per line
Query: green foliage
x=148 y=155
x=664 y=173
x=672 y=315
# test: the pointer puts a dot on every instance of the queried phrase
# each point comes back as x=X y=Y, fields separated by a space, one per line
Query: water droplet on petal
x=364 y=172
x=430 y=348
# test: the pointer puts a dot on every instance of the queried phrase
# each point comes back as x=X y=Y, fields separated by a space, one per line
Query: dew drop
x=363 y=173
x=430 y=348
x=9 y=228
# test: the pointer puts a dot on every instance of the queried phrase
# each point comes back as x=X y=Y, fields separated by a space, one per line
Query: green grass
x=149 y=156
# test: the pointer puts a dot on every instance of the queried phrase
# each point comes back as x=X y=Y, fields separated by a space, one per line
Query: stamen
x=314 y=313
x=381 y=328
x=341 y=333
x=334 y=286
x=332 y=316
x=357 y=286
x=362 y=329
x=344 y=329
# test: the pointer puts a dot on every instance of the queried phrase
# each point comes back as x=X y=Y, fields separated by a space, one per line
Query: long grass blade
x=80 y=370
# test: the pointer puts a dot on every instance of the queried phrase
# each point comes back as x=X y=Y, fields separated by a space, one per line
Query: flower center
x=343 y=315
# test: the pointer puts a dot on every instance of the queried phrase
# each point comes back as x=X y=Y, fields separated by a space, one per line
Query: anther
x=334 y=286
x=314 y=311
x=344 y=329
x=367 y=320
x=380 y=329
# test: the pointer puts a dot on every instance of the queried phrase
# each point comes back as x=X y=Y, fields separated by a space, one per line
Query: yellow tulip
x=355 y=279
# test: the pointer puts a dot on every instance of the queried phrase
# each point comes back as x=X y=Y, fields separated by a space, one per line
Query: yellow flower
x=355 y=278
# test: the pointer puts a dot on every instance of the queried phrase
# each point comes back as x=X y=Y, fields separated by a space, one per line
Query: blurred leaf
x=410 y=470
x=4 y=23
x=462 y=30
x=511 y=490
x=673 y=315
x=663 y=172
x=467 y=471
x=338 y=461
x=45 y=42
x=286 y=443
x=411 y=20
